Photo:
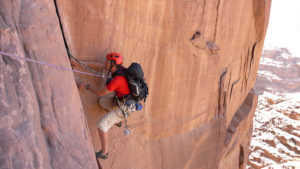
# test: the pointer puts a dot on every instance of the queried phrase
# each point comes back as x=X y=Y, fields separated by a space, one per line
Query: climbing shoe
x=101 y=155
x=119 y=124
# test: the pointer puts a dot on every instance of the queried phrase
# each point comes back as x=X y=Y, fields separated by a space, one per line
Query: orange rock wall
x=200 y=59
x=42 y=122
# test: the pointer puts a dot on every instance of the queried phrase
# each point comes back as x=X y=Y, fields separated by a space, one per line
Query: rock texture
x=200 y=60
x=42 y=124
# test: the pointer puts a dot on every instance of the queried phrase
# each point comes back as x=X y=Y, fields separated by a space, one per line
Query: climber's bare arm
x=102 y=92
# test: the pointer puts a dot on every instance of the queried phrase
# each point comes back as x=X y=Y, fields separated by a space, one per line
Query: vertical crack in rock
x=217 y=20
x=240 y=72
x=203 y=8
x=162 y=157
x=229 y=82
x=241 y=157
x=222 y=94
x=234 y=83
x=65 y=41
x=221 y=116
x=248 y=64
x=247 y=67
x=98 y=163
x=253 y=52
x=62 y=30
x=246 y=70
x=69 y=54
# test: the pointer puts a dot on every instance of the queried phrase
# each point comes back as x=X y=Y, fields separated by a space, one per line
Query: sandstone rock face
x=200 y=59
x=42 y=124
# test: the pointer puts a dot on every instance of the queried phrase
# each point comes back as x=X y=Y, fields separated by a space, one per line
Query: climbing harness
x=95 y=73
x=125 y=113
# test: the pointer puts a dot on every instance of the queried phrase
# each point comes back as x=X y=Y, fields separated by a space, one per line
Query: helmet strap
x=112 y=63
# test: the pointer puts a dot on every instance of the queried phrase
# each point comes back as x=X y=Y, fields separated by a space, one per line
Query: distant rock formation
x=276 y=140
x=279 y=71
x=200 y=60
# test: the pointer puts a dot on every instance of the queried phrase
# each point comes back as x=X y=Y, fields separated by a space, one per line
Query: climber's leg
x=104 y=124
x=103 y=139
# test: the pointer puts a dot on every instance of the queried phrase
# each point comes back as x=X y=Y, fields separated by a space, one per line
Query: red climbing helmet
x=115 y=57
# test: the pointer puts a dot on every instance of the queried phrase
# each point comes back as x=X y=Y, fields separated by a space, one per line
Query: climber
x=116 y=107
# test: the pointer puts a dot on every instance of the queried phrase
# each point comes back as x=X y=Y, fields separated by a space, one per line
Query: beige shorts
x=115 y=113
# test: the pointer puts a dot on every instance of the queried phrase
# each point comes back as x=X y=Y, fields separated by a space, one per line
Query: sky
x=284 y=25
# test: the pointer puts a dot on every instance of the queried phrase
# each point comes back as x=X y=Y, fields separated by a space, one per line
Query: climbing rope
x=95 y=73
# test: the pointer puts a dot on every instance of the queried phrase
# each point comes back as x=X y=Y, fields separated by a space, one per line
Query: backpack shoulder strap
x=121 y=71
